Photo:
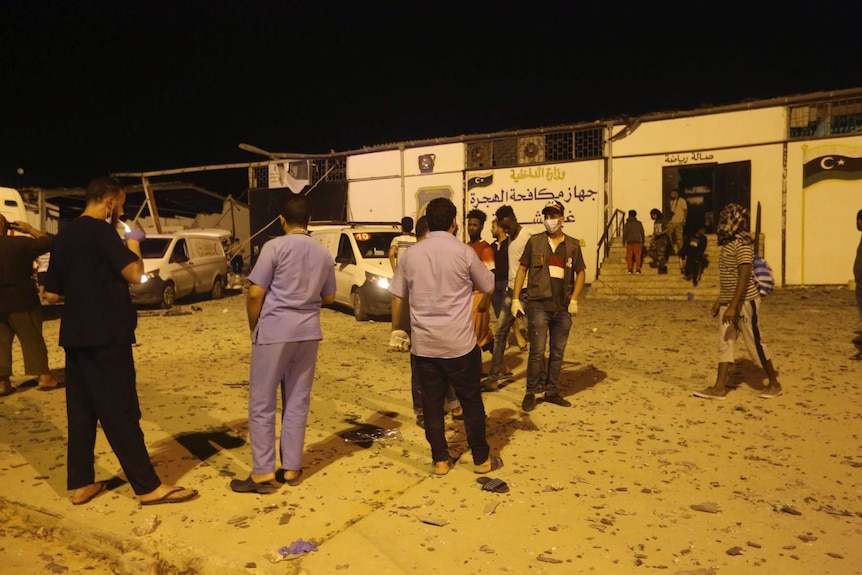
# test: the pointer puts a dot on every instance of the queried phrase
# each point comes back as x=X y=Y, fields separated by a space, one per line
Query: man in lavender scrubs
x=292 y=278
x=439 y=274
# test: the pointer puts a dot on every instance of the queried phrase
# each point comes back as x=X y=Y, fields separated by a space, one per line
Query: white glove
x=399 y=340
x=517 y=308
x=573 y=307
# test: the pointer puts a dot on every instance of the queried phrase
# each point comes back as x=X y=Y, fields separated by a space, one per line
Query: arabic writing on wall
x=686 y=158
x=549 y=173
x=532 y=195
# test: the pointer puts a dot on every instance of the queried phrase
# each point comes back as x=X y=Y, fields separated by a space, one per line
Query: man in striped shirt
x=738 y=304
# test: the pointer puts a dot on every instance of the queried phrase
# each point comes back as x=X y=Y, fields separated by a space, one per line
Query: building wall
x=809 y=230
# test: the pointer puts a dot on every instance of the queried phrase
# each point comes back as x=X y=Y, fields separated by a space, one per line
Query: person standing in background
x=676 y=223
x=481 y=301
x=857 y=274
x=400 y=243
x=633 y=238
x=20 y=306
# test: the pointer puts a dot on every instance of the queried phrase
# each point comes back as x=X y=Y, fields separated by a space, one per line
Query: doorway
x=707 y=188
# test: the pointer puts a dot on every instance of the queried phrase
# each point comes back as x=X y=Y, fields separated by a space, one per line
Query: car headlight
x=379 y=281
x=149 y=276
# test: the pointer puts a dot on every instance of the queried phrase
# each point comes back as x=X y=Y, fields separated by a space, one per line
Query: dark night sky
x=94 y=87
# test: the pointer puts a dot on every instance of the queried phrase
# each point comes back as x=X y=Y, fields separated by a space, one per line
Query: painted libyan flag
x=831 y=167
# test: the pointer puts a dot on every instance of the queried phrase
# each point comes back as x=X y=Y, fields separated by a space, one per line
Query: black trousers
x=463 y=374
x=100 y=387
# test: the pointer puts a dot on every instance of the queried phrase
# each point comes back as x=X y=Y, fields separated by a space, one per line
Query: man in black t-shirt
x=90 y=271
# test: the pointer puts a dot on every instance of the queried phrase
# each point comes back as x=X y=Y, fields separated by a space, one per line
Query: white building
x=799 y=157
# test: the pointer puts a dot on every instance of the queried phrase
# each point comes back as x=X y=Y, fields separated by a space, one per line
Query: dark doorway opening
x=707 y=188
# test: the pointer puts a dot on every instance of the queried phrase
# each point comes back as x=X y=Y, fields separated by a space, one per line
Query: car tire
x=169 y=296
x=358 y=311
x=217 y=291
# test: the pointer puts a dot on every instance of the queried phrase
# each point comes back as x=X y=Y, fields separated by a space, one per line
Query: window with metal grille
x=825 y=118
x=589 y=143
x=329 y=169
x=505 y=152
x=261 y=177
x=559 y=147
x=846 y=116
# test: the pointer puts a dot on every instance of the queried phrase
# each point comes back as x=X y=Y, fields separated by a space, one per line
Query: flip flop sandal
x=493 y=485
x=102 y=487
x=496 y=463
x=451 y=465
x=168 y=499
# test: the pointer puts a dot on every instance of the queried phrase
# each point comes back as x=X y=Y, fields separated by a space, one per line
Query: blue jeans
x=558 y=323
x=504 y=324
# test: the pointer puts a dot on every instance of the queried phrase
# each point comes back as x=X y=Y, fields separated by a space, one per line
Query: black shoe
x=557 y=399
x=529 y=402
x=489 y=384
x=251 y=486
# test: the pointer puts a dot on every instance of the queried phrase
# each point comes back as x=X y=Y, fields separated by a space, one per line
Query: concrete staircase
x=614 y=283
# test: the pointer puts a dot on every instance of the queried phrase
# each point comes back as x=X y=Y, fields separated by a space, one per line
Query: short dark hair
x=295 y=210
x=504 y=212
x=633 y=213
x=441 y=213
x=406 y=224
x=477 y=215
x=99 y=188
x=421 y=227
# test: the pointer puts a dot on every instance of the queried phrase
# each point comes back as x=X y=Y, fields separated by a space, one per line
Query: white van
x=12 y=207
x=183 y=263
x=362 y=268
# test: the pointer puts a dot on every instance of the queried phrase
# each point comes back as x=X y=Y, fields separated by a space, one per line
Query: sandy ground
x=637 y=475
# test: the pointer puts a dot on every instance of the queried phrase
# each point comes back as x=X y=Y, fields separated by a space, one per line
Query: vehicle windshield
x=374 y=244
x=154 y=248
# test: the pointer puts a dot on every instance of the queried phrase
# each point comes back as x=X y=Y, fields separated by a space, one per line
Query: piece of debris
x=148 y=526
x=753 y=544
x=707 y=507
x=807 y=537
x=430 y=520
x=735 y=551
x=547 y=559
x=296 y=549
x=835 y=555
x=790 y=510
x=491 y=507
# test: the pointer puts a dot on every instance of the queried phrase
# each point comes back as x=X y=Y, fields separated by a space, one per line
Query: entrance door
x=707 y=188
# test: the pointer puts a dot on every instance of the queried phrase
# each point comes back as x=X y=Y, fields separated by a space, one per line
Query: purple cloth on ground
x=298 y=547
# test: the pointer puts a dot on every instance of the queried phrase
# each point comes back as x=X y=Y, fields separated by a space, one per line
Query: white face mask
x=552 y=226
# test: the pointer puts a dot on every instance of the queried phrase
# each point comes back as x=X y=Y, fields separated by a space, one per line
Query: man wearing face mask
x=556 y=277
x=91 y=269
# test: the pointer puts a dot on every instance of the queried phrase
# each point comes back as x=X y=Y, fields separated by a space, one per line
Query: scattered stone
x=285 y=519
x=251 y=565
x=835 y=555
x=807 y=537
x=430 y=520
x=342 y=566
x=148 y=526
x=707 y=507
x=486 y=549
x=56 y=567
x=237 y=519
x=790 y=510
x=546 y=559
x=832 y=511
x=137 y=563
x=753 y=544
x=735 y=551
